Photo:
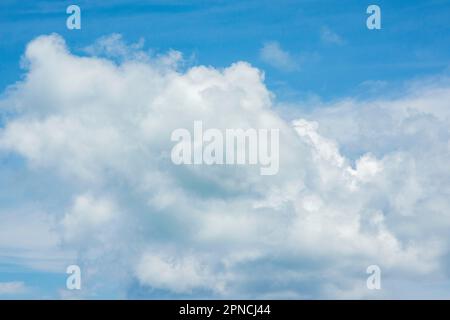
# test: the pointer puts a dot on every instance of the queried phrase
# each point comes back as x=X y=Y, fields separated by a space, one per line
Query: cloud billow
x=102 y=129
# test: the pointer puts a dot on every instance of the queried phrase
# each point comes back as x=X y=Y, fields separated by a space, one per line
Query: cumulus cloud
x=275 y=56
x=178 y=274
x=89 y=218
x=360 y=183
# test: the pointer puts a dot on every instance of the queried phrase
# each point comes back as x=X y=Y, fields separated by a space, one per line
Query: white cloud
x=114 y=46
x=329 y=36
x=360 y=183
x=181 y=275
x=12 y=288
x=89 y=218
x=31 y=240
x=272 y=54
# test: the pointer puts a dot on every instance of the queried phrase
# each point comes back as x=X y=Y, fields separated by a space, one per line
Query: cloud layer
x=12 y=288
x=360 y=183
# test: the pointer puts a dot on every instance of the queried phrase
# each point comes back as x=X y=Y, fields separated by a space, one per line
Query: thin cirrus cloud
x=328 y=36
x=274 y=55
x=360 y=182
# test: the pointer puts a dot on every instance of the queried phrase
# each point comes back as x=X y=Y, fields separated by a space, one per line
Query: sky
x=85 y=174
x=413 y=42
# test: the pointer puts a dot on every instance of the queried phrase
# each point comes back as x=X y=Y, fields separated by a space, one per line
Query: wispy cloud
x=12 y=288
x=275 y=56
x=330 y=37
x=359 y=182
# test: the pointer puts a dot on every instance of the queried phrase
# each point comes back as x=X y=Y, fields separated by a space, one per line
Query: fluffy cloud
x=360 y=183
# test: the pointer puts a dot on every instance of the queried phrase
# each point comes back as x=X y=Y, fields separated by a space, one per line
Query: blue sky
x=413 y=41
x=365 y=103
